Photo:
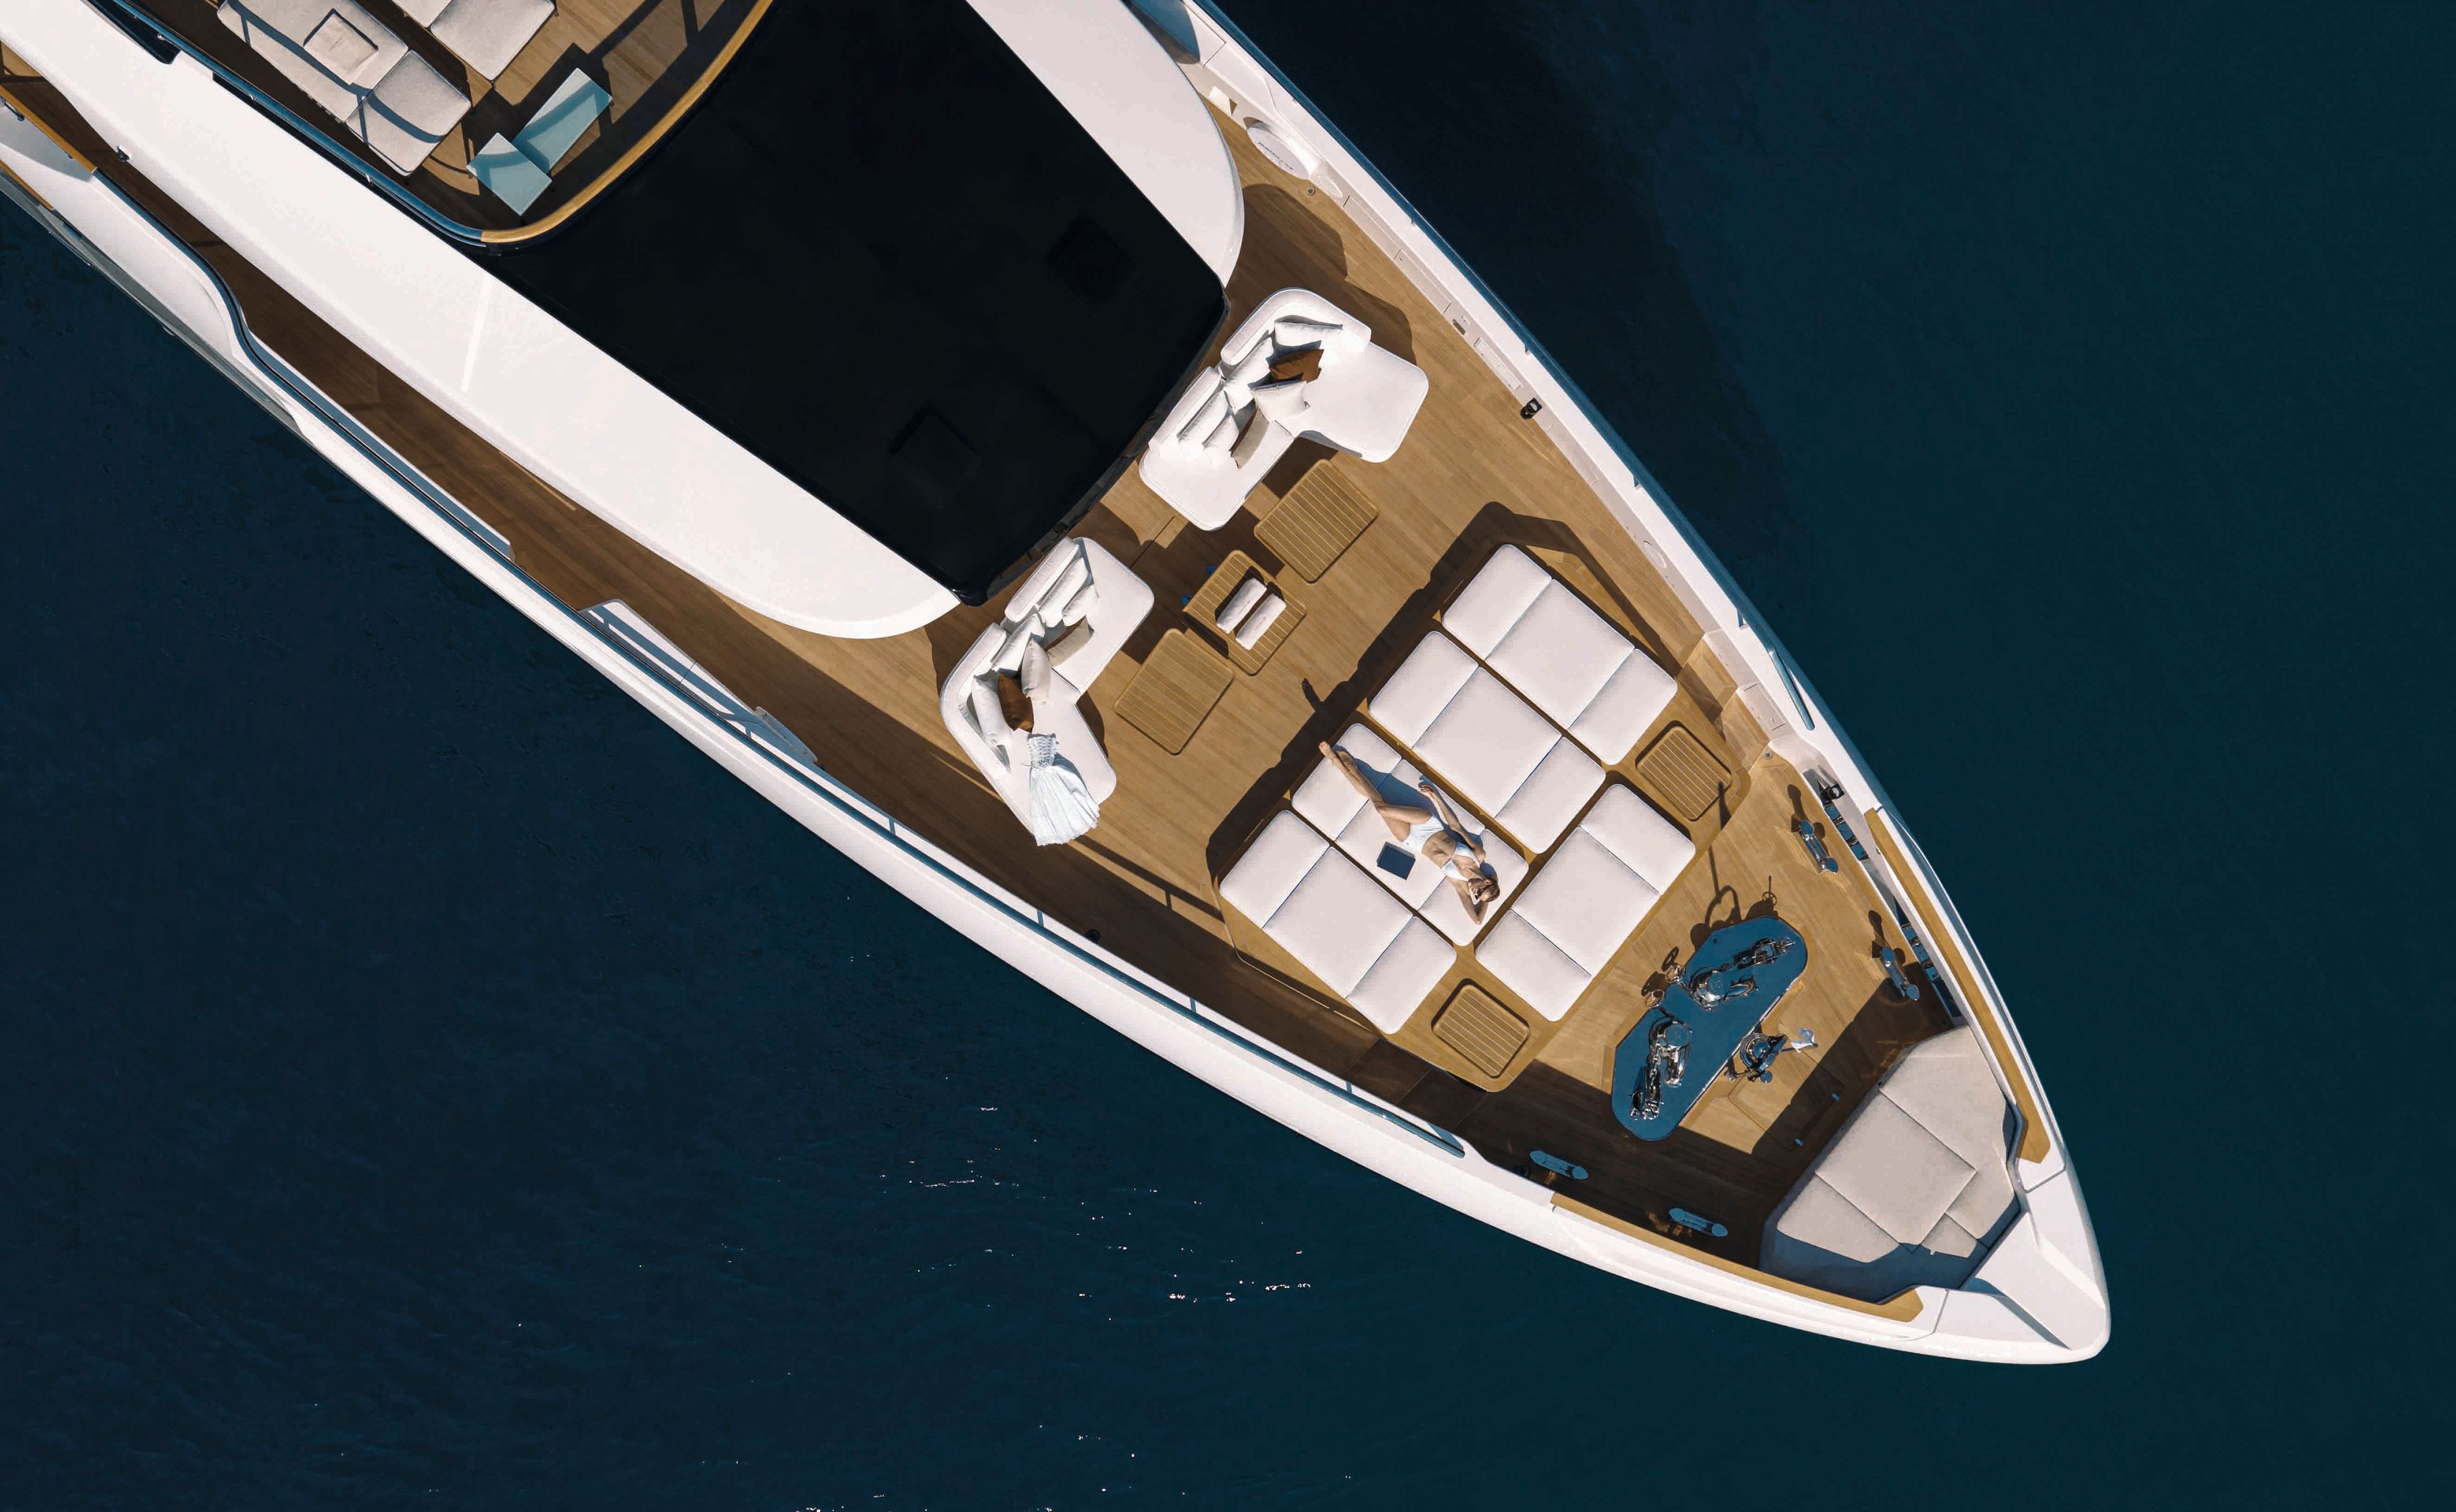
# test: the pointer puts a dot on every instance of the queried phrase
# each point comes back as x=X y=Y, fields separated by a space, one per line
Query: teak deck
x=1472 y=475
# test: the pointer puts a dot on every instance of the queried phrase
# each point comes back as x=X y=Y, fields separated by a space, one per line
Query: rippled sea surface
x=427 y=1081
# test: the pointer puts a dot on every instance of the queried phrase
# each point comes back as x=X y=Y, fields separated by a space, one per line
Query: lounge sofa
x=356 y=67
x=1216 y=444
x=1331 y=804
x=486 y=34
x=1321 y=907
x=1082 y=604
x=1553 y=647
x=1589 y=898
x=1485 y=740
x=1915 y=1188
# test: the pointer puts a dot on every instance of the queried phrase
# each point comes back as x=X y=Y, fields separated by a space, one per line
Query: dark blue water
x=428 y=1081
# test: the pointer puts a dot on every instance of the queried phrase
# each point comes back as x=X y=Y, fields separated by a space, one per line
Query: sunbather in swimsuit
x=1433 y=831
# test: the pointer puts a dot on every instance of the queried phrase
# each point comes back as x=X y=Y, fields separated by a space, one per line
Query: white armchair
x=1081 y=603
x=1214 y=447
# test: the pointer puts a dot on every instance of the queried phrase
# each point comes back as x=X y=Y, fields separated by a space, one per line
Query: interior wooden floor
x=1472 y=473
x=645 y=51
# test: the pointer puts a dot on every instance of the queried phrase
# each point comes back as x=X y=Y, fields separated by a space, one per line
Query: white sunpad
x=1333 y=806
x=1581 y=907
x=1363 y=942
x=1486 y=742
x=1552 y=646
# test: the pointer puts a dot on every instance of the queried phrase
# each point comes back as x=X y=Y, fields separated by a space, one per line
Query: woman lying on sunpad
x=1433 y=831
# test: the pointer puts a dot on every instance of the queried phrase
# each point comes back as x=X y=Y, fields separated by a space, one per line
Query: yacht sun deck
x=1870 y=1156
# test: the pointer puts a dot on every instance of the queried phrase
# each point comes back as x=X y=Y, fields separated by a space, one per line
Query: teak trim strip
x=2035 y=1143
x=1904 y=1307
x=637 y=149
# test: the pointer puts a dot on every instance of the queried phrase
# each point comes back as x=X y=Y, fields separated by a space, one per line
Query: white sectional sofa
x=1553 y=647
x=1213 y=447
x=1915 y=1187
x=357 y=67
x=1589 y=898
x=486 y=34
x=1486 y=742
x=1331 y=804
x=1347 y=930
x=1080 y=583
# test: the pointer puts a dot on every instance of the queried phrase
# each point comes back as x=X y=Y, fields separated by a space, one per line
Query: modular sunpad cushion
x=1586 y=903
x=1457 y=718
x=1320 y=907
x=1333 y=806
x=1914 y=1188
x=1552 y=646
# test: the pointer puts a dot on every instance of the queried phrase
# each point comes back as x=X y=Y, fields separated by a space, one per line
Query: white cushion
x=1010 y=651
x=1071 y=579
x=1423 y=685
x=1206 y=418
x=1549 y=798
x=1364 y=402
x=1483 y=612
x=1934 y=1138
x=1582 y=907
x=1404 y=977
x=1532 y=967
x=1945 y=1084
x=1568 y=660
x=1827 y=1218
x=1281 y=401
x=409 y=112
x=487 y=34
x=1585 y=902
x=1239 y=602
x=1560 y=653
x=1272 y=867
x=1337 y=921
x=1486 y=740
x=1079 y=605
x=1296 y=331
x=1893 y=1170
x=1646 y=842
x=277 y=31
x=1259 y=622
x=1322 y=909
x=1627 y=709
x=341 y=47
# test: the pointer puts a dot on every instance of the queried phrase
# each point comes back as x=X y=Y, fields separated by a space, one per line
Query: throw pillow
x=1014 y=704
x=1069 y=646
x=1281 y=401
x=1222 y=435
x=1257 y=430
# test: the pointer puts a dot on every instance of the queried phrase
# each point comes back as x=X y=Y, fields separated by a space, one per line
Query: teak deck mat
x=1680 y=770
x=1214 y=592
x=1474 y=1024
x=1320 y=520
x=1174 y=693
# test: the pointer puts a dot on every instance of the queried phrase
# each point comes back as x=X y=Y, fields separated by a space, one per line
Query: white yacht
x=1028 y=444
